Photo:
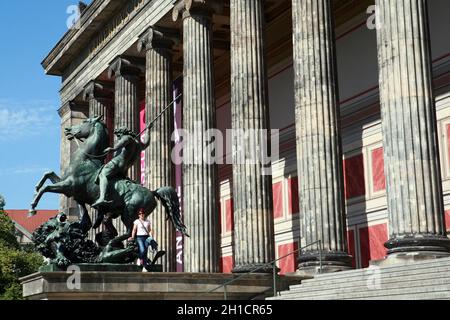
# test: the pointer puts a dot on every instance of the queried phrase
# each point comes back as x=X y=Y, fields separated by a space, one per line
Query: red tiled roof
x=31 y=223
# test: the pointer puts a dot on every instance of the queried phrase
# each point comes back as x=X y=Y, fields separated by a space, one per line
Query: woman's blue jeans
x=143 y=247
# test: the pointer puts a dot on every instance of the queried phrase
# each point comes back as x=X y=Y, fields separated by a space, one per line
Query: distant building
x=25 y=226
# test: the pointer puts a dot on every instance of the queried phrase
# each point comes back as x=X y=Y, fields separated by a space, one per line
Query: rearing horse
x=79 y=182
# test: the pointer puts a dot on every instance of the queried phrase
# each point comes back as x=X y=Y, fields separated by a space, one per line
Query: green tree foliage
x=7 y=232
x=14 y=261
x=2 y=202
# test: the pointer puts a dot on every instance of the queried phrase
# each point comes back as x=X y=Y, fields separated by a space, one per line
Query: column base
x=418 y=243
x=309 y=263
x=250 y=267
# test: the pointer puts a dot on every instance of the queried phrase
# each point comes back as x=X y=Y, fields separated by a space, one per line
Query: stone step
x=428 y=279
x=380 y=294
x=361 y=288
x=397 y=295
x=425 y=264
x=392 y=276
x=443 y=295
x=368 y=282
x=343 y=278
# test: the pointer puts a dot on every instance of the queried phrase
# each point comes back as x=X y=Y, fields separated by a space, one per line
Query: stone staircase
x=416 y=281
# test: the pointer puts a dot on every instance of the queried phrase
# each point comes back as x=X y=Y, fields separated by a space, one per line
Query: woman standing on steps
x=141 y=232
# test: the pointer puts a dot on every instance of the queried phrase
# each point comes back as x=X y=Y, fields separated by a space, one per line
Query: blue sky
x=29 y=123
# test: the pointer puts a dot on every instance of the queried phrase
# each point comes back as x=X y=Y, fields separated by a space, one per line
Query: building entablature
x=92 y=19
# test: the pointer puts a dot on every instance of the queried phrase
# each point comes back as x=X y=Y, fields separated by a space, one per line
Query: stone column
x=411 y=155
x=101 y=102
x=319 y=151
x=200 y=185
x=159 y=165
x=126 y=72
x=100 y=97
x=252 y=186
x=72 y=113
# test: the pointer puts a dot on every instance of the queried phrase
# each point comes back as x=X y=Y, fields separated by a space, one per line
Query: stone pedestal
x=200 y=185
x=157 y=44
x=252 y=185
x=319 y=151
x=150 y=286
x=411 y=157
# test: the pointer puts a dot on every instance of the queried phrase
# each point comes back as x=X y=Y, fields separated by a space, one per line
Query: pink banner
x=142 y=125
x=178 y=107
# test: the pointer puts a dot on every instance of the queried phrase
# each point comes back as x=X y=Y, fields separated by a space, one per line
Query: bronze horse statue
x=79 y=182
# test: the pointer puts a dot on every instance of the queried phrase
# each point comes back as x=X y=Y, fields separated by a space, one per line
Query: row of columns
x=408 y=122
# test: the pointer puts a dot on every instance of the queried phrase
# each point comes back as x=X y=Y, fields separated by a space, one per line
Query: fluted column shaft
x=411 y=157
x=101 y=103
x=319 y=152
x=200 y=186
x=101 y=107
x=100 y=97
x=126 y=103
x=252 y=187
x=159 y=166
x=72 y=114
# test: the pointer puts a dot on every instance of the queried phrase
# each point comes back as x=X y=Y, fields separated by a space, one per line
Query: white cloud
x=19 y=120
x=23 y=170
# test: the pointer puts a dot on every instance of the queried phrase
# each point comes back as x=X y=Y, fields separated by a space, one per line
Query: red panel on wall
x=447 y=219
x=379 y=180
x=288 y=264
x=229 y=215
x=372 y=241
x=354 y=182
x=351 y=246
x=293 y=195
x=220 y=215
x=277 y=189
x=226 y=264
x=448 y=141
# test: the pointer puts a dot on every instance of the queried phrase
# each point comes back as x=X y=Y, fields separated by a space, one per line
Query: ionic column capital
x=126 y=66
x=98 y=90
x=199 y=7
x=156 y=37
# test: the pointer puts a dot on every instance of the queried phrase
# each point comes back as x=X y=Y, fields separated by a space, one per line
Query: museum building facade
x=359 y=92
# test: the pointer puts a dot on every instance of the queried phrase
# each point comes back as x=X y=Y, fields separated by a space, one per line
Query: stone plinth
x=150 y=286
x=407 y=258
